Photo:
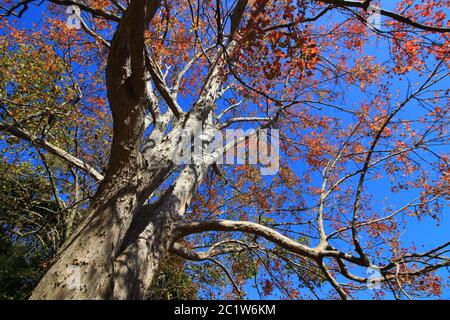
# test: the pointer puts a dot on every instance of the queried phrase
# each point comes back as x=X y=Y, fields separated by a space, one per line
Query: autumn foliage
x=362 y=112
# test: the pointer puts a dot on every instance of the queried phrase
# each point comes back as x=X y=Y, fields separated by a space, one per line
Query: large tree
x=346 y=114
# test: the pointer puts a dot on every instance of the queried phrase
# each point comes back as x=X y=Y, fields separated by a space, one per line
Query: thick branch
x=247 y=227
x=95 y=12
x=127 y=85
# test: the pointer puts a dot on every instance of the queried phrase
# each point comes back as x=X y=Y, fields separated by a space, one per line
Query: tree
x=27 y=243
x=22 y=256
x=169 y=283
x=192 y=68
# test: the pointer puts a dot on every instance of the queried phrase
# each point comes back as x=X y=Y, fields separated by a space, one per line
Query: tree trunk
x=116 y=250
x=111 y=256
x=151 y=235
x=85 y=267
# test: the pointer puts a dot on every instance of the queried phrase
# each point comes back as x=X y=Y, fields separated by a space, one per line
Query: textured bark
x=54 y=150
x=92 y=248
x=117 y=259
x=119 y=245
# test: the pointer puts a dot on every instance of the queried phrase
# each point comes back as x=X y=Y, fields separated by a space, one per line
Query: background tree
x=349 y=121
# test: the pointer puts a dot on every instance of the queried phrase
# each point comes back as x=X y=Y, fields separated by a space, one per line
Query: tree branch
x=186 y=229
x=161 y=85
x=56 y=151
x=397 y=17
x=243 y=119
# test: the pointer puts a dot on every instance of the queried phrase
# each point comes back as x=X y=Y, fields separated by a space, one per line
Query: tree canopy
x=354 y=95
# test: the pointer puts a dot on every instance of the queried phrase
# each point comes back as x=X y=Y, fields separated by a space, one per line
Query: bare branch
x=56 y=151
x=228 y=109
x=95 y=12
x=243 y=119
x=93 y=33
x=161 y=85
x=333 y=281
